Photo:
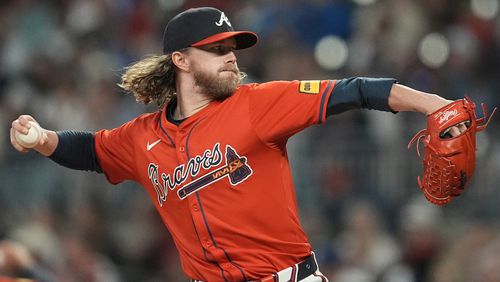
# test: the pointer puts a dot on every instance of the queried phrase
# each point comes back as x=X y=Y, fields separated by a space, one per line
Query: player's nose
x=231 y=57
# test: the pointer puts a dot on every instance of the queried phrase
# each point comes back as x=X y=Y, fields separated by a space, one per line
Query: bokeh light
x=331 y=52
x=365 y=2
x=434 y=50
x=484 y=9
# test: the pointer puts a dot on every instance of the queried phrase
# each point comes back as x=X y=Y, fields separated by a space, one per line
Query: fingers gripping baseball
x=26 y=133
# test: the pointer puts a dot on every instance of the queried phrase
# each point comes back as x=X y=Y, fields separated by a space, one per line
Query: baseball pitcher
x=213 y=157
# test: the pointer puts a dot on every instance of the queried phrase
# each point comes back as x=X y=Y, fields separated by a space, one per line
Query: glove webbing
x=440 y=175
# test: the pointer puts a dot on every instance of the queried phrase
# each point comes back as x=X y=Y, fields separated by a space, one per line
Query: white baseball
x=31 y=139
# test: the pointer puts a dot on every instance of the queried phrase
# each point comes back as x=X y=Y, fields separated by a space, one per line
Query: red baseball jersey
x=221 y=179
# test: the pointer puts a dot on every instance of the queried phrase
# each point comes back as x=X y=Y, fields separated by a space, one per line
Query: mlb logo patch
x=309 y=86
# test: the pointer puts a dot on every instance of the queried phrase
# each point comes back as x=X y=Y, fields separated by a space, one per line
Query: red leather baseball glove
x=449 y=161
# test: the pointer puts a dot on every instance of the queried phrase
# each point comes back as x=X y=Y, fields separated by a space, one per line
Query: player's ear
x=180 y=60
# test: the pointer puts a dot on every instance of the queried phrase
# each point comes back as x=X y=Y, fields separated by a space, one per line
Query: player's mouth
x=233 y=70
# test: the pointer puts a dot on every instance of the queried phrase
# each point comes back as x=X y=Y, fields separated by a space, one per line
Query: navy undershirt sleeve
x=360 y=93
x=76 y=150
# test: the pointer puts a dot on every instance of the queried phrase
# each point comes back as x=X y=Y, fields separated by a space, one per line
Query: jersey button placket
x=180 y=140
x=198 y=218
x=208 y=244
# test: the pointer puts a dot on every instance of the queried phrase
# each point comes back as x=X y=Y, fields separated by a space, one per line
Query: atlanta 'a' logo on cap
x=223 y=19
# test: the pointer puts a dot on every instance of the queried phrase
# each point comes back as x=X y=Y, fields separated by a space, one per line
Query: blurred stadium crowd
x=60 y=61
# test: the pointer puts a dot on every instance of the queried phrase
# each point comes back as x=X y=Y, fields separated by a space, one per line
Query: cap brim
x=244 y=39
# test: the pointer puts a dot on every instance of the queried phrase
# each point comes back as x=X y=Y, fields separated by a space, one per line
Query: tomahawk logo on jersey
x=221 y=163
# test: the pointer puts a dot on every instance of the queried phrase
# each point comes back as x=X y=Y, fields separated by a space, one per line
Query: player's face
x=215 y=70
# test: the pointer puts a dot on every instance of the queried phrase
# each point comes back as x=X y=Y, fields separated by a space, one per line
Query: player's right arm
x=106 y=151
x=72 y=149
x=47 y=143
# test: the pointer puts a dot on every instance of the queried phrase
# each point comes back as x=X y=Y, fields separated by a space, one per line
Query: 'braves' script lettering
x=209 y=159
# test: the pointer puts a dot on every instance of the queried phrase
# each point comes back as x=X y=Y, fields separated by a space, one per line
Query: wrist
x=49 y=143
x=432 y=103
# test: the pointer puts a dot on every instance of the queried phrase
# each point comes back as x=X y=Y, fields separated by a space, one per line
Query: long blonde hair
x=151 y=79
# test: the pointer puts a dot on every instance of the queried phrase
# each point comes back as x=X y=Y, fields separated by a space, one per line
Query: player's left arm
x=403 y=98
x=382 y=94
x=360 y=93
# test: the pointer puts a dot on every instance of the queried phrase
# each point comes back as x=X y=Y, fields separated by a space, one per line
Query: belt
x=293 y=273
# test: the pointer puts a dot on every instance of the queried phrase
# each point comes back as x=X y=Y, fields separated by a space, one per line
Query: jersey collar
x=187 y=122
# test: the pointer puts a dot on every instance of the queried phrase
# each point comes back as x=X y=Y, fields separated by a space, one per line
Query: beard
x=215 y=86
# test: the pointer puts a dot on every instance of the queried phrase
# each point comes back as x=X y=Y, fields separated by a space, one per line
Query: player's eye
x=220 y=49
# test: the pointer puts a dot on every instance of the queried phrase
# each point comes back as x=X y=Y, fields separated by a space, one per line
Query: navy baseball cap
x=200 y=26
